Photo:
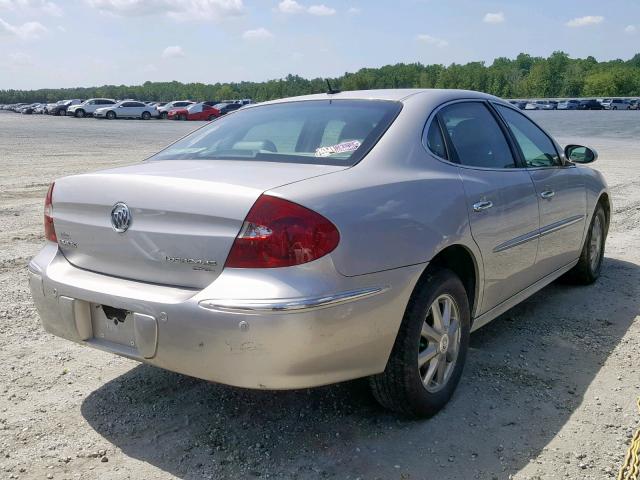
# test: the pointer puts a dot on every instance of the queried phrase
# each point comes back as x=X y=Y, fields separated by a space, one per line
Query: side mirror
x=580 y=154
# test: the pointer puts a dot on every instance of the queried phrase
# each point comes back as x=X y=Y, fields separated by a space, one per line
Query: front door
x=501 y=199
x=561 y=194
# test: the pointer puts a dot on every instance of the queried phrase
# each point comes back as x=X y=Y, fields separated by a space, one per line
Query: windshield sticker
x=350 y=146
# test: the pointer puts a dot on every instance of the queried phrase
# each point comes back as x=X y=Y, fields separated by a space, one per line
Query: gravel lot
x=548 y=390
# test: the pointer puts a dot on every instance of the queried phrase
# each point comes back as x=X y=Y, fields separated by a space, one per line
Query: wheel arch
x=461 y=261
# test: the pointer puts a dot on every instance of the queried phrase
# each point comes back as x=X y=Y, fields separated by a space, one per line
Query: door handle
x=547 y=194
x=480 y=206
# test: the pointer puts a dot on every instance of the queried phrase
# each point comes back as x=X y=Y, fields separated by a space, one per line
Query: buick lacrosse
x=317 y=239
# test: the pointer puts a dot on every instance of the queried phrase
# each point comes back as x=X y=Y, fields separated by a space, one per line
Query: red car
x=197 y=111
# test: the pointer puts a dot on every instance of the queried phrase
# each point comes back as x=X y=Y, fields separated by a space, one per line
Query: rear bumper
x=249 y=329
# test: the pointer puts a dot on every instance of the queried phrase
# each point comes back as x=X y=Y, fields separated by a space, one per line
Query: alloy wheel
x=439 y=343
x=595 y=243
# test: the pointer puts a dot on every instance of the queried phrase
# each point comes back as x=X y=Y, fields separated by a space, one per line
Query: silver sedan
x=127 y=109
x=317 y=239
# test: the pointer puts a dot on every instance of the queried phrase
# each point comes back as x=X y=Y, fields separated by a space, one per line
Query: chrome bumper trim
x=33 y=268
x=290 y=304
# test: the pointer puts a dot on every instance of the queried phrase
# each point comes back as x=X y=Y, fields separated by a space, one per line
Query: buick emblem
x=120 y=217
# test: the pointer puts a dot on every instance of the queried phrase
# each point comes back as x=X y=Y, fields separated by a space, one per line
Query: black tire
x=400 y=387
x=614 y=108
x=588 y=267
x=80 y=113
x=211 y=117
x=111 y=115
x=146 y=115
x=164 y=115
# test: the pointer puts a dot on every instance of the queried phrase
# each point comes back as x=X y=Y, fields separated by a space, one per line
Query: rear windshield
x=328 y=132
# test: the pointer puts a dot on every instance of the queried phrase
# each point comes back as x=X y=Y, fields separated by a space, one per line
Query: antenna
x=331 y=91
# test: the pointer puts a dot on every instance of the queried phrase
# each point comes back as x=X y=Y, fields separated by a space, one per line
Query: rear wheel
x=588 y=267
x=430 y=349
x=164 y=115
x=80 y=113
x=146 y=115
x=111 y=114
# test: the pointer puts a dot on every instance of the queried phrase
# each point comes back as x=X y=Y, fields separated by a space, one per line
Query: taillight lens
x=49 y=231
x=279 y=233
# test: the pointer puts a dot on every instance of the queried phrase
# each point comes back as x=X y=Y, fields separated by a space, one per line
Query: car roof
x=394 y=94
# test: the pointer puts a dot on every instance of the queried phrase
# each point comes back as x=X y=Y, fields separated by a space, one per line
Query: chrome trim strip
x=554 y=227
x=286 y=305
x=514 y=242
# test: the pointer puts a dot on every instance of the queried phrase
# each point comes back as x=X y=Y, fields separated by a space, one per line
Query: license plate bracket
x=113 y=325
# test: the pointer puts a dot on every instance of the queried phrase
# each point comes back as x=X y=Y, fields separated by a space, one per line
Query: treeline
x=522 y=77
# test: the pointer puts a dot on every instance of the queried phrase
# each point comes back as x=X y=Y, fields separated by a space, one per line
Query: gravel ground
x=548 y=390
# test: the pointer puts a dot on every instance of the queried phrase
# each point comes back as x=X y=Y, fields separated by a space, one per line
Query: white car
x=164 y=110
x=89 y=107
x=127 y=109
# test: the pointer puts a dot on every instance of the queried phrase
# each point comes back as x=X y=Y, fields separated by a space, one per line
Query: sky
x=68 y=43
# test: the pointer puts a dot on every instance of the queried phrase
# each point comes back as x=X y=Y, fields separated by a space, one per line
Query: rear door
x=501 y=200
x=136 y=109
x=562 y=197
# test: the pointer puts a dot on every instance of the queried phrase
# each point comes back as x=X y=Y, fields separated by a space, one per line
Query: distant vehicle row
x=111 y=109
x=587 y=104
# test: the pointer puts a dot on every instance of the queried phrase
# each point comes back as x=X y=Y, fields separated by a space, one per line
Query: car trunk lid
x=184 y=216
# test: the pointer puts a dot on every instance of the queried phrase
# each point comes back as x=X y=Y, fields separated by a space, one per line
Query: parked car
x=590 y=105
x=40 y=108
x=50 y=106
x=126 y=109
x=541 y=105
x=368 y=249
x=225 y=108
x=28 y=109
x=164 y=110
x=61 y=107
x=568 y=105
x=521 y=104
x=195 y=111
x=88 y=107
x=616 y=104
x=633 y=104
x=17 y=106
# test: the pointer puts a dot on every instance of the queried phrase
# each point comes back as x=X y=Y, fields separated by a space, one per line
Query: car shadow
x=526 y=374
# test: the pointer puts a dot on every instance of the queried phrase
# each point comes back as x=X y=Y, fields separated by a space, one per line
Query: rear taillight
x=279 y=233
x=49 y=231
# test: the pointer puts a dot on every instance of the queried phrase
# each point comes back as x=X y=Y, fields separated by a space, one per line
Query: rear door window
x=329 y=132
x=476 y=137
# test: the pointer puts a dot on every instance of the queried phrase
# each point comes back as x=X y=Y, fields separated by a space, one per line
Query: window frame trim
x=435 y=115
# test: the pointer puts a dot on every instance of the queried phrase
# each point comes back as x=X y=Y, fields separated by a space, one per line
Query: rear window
x=327 y=132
